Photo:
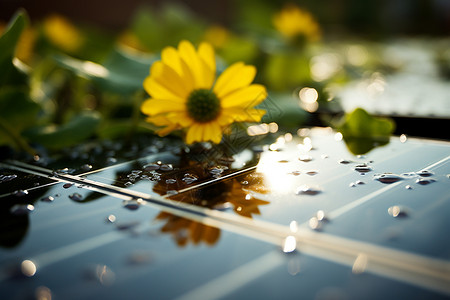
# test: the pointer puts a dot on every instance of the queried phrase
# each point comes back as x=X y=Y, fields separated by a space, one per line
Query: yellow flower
x=217 y=36
x=292 y=22
x=186 y=95
x=62 y=33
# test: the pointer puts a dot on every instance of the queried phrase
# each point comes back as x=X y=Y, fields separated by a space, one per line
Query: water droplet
x=166 y=167
x=425 y=173
x=218 y=170
x=111 y=219
x=315 y=224
x=359 y=182
x=43 y=293
x=283 y=161
x=360 y=264
x=86 y=167
x=321 y=216
x=76 y=197
x=48 y=199
x=28 y=268
x=388 y=177
x=344 y=161
x=312 y=173
x=324 y=156
x=140 y=257
x=171 y=192
x=293 y=226
x=171 y=181
x=290 y=244
x=5 y=178
x=305 y=158
x=101 y=273
x=22 y=209
x=189 y=178
x=67 y=185
x=408 y=187
x=151 y=167
x=111 y=160
x=307 y=190
x=295 y=173
x=132 y=204
x=363 y=168
x=20 y=193
x=244 y=182
x=425 y=181
x=397 y=211
x=352 y=184
x=403 y=138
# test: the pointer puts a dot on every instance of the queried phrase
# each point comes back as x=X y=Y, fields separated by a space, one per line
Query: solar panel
x=299 y=218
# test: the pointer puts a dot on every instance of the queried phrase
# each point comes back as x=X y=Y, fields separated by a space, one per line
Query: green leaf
x=11 y=35
x=76 y=130
x=16 y=107
x=363 y=132
x=120 y=73
x=8 y=41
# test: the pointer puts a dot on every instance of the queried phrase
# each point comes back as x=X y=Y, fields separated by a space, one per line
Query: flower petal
x=245 y=97
x=234 y=77
x=248 y=115
x=170 y=57
x=167 y=78
x=156 y=106
x=180 y=118
x=194 y=133
x=197 y=66
x=206 y=53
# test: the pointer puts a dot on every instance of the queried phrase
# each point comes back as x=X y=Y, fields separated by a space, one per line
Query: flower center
x=203 y=105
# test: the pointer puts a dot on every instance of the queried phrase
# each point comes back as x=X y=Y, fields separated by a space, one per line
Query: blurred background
x=78 y=67
x=370 y=18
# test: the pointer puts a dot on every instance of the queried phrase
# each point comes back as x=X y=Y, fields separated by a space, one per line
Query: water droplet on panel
x=43 y=293
x=305 y=158
x=307 y=190
x=28 y=268
x=324 y=156
x=388 y=177
x=359 y=182
x=293 y=226
x=20 y=193
x=5 y=178
x=76 y=197
x=111 y=218
x=425 y=181
x=425 y=173
x=189 y=178
x=86 y=167
x=352 y=184
x=408 y=187
x=295 y=173
x=398 y=211
x=166 y=167
x=344 y=161
x=290 y=244
x=312 y=173
x=132 y=204
x=151 y=167
x=47 y=199
x=403 y=138
x=171 y=181
x=22 y=209
x=171 y=192
x=67 y=185
x=315 y=224
x=360 y=264
x=363 y=168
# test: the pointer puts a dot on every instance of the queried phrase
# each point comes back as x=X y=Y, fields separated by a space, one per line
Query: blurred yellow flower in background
x=186 y=95
x=294 y=22
x=217 y=36
x=62 y=33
